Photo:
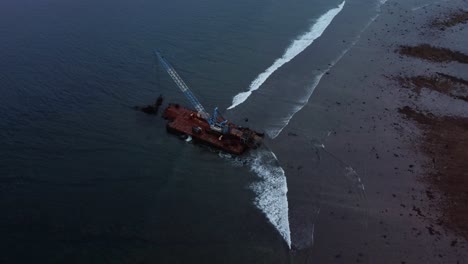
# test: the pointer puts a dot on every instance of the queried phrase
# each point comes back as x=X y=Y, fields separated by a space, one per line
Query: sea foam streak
x=296 y=47
x=274 y=132
x=271 y=191
x=270 y=188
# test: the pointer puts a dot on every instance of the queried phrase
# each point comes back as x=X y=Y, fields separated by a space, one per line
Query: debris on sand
x=431 y=53
x=445 y=141
x=452 y=19
x=452 y=86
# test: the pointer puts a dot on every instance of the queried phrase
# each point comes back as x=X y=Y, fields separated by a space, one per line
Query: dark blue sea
x=84 y=178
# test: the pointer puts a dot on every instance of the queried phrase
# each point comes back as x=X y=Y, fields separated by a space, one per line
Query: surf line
x=273 y=133
x=271 y=191
x=296 y=47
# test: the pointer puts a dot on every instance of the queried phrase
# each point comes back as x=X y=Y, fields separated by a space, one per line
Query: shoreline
x=364 y=97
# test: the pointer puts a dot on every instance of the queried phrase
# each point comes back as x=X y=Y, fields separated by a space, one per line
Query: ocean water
x=86 y=179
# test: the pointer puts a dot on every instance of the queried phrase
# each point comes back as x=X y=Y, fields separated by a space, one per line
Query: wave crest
x=296 y=47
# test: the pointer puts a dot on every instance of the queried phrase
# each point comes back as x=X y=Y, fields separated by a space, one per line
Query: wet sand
x=452 y=19
x=440 y=82
x=445 y=140
x=431 y=53
x=396 y=113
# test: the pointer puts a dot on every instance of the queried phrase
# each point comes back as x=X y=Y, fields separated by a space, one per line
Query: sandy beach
x=398 y=99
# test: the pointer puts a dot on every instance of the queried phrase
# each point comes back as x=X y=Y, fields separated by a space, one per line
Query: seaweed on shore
x=445 y=141
x=452 y=19
x=431 y=53
x=452 y=86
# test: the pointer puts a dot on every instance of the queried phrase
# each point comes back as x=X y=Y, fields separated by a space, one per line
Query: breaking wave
x=270 y=188
x=271 y=191
x=274 y=132
x=296 y=47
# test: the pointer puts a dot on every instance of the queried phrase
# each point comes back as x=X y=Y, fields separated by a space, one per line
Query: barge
x=210 y=129
x=186 y=122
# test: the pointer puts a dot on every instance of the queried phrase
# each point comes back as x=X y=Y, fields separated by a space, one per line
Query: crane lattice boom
x=182 y=86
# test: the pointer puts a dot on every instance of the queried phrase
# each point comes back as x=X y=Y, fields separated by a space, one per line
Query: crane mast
x=216 y=121
x=213 y=130
x=182 y=86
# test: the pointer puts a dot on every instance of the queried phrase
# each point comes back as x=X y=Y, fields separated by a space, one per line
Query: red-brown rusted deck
x=182 y=121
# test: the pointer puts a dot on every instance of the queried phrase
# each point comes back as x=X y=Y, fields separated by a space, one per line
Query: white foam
x=296 y=47
x=274 y=132
x=271 y=188
x=419 y=7
x=271 y=191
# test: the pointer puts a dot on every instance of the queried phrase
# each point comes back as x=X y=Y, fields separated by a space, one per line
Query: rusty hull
x=183 y=120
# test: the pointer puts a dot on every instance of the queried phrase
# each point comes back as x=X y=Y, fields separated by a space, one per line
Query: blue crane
x=216 y=121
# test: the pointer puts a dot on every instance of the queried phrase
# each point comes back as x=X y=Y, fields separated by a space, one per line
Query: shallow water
x=85 y=178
